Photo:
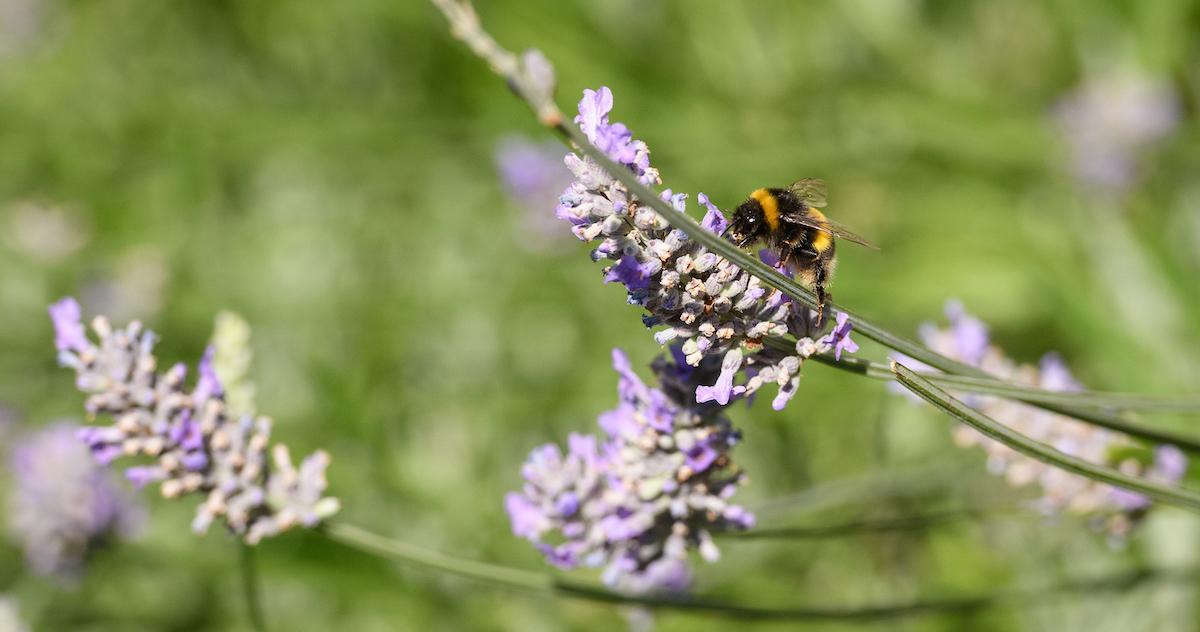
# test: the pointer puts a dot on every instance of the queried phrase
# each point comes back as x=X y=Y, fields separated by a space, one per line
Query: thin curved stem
x=1069 y=404
x=851 y=528
x=505 y=577
x=249 y=573
x=1037 y=450
x=993 y=386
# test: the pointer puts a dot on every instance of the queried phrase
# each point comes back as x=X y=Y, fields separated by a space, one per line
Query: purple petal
x=701 y=457
x=634 y=275
x=1053 y=374
x=141 y=475
x=593 y=111
x=970 y=334
x=714 y=220
x=69 y=334
x=785 y=394
x=526 y=519
x=840 y=336
x=1170 y=462
x=1128 y=500
x=721 y=391
x=208 y=385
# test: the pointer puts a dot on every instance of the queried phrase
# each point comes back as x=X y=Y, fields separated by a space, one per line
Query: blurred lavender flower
x=696 y=297
x=197 y=445
x=21 y=24
x=966 y=340
x=63 y=504
x=634 y=501
x=133 y=285
x=1108 y=119
x=43 y=233
x=534 y=175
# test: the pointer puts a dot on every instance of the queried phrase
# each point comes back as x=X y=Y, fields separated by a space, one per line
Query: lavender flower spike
x=196 y=445
x=636 y=500
x=693 y=297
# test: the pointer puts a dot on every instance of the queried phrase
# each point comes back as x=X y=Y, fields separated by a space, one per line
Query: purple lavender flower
x=635 y=501
x=197 y=446
x=63 y=505
x=693 y=297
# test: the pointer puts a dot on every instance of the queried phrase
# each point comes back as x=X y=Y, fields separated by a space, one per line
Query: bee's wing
x=829 y=226
x=811 y=190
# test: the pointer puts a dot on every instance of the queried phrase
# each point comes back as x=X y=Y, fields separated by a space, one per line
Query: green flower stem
x=528 y=581
x=1037 y=450
x=249 y=573
x=1078 y=405
x=994 y=386
x=919 y=522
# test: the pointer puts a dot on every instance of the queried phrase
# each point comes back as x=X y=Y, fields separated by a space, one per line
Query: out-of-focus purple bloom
x=534 y=175
x=694 y=297
x=207 y=386
x=636 y=501
x=196 y=445
x=10 y=615
x=967 y=337
x=966 y=340
x=1108 y=119
x=43 y=233
x=64 y=505
x=68 y=326
x=1170 y=462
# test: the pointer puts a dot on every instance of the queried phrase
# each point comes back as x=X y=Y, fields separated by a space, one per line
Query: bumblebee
x=788 y=221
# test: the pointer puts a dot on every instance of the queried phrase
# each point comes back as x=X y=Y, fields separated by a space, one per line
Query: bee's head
x=749 y=224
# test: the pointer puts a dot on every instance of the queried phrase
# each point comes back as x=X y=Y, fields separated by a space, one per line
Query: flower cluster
x=966 y=340
x=63 y=505
x=635 y=500
x=698 y=299
x=196 y=444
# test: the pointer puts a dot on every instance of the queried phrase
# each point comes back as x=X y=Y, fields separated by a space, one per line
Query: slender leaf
x=1037 y=450
x=511 y=578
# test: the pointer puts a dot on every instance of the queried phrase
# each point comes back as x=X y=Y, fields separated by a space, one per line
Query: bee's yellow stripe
x=822 y=240
x=770 y=207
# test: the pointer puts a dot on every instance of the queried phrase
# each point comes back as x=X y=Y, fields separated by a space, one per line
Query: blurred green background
x=327 y=171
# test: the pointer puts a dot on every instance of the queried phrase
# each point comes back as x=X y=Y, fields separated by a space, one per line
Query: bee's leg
x=815 y=276
x=822 y=295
